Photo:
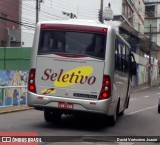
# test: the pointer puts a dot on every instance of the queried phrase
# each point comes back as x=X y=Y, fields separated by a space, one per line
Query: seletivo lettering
x=74 y=77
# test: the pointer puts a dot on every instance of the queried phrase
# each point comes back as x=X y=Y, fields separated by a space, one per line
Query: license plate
x=65 y=105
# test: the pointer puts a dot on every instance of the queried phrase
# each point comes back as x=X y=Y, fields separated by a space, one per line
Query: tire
x=48 y=116
x=51 y=116
x=158 y=108
x=127 y=102
x=113 y=119
x=56 y=117
x=121 y=113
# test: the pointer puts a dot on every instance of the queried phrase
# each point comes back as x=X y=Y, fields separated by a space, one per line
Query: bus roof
x=77 y=22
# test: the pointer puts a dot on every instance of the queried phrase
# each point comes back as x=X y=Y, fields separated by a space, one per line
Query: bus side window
x=123 y=53
x=127 y=59
x=119 y=57
x=118 y=61
x=116 y=54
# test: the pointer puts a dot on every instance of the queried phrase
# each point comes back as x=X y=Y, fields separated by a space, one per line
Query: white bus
x=79 y=66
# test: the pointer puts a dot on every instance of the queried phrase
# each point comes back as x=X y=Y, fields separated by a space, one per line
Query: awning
x=145 y=44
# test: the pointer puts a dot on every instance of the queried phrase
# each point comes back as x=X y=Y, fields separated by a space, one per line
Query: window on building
x=150 y=10
x=3 y=21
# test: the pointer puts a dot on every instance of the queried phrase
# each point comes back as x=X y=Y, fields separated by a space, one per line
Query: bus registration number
x=65 y=105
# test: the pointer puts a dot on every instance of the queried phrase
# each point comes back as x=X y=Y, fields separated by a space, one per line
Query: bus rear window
x=70 y=42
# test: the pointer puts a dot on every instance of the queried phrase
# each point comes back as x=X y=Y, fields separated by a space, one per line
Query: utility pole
x=37 y=11
x=149 y=69
x=101 y=12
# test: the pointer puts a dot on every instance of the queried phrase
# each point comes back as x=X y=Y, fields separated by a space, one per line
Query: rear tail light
x=106 y=88
x=31 y=81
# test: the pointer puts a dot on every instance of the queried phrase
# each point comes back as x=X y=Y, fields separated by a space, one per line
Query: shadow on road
x=75 y=122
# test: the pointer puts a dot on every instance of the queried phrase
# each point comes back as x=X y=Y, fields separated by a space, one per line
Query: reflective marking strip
x=45 y=98
x=141 y=110
x=146 y=96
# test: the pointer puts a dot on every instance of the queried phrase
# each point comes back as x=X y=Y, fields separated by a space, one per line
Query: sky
x=82 y=8
x=52 y=9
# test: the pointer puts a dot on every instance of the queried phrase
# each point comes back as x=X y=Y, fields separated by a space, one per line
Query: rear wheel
x=51 y=116
x=48 y=116
x=128 y=98
x=112 y=119
x=121 y=113
x=158 y=108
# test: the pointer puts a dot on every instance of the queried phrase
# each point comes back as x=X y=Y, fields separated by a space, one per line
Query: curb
x=15 y=110
x=139 y=89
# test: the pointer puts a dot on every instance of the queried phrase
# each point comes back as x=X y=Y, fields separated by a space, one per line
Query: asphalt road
x=140 y=119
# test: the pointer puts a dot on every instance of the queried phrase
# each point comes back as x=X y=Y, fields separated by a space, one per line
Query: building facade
x=152 y=23
x=152 y=20
x=133 y=11
x=131 y=14
x=9 y=19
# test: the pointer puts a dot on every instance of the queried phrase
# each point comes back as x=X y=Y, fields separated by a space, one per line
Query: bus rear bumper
x=41 y=102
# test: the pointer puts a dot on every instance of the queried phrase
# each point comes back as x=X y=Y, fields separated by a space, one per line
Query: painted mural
x=13 y=95
x=143 y=74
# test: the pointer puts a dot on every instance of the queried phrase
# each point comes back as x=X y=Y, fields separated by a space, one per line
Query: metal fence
x=13 y=96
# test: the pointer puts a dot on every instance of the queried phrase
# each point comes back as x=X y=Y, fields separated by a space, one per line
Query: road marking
x=131 y=99
x=158 y=93
x=141 y=110
x=146 y=96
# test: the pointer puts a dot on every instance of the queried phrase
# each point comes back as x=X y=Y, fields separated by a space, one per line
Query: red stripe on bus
x=74 y=28
x=71 y=55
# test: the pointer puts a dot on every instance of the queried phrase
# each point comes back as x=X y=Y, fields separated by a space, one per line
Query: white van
x=77 y=67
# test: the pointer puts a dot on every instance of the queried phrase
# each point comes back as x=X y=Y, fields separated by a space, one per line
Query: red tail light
x=106 y=88
x=31 y=81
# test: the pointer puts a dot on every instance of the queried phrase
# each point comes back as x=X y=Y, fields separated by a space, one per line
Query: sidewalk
x=10 y=109
x=139 y=88
x=25 y=107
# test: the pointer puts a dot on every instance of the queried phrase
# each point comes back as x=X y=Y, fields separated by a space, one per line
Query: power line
x=17 y=22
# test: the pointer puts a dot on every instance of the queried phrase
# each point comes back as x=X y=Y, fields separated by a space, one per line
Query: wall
x=13 y=75
x=11 y=9
x=27 y=38
x=13 y=89
x=142 y=70
x=15 y=58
